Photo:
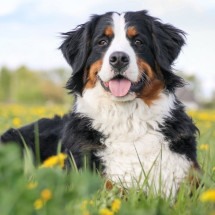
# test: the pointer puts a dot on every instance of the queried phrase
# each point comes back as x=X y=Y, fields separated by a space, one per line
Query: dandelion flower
x=105 y=211
x=40 y=111
x=204 y=116
x=38 y=204
x=46 y=194
x=16 y=121
x=204 y=147
x=84 y=204
x=57 y=160
x=116 y=204
x=208 y=196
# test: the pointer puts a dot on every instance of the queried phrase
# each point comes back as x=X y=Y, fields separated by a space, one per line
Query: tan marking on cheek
x=108 y=31
x=151 y=91
x=92 y=74
x=153 y=87
x=144 y=67
x=131 y=32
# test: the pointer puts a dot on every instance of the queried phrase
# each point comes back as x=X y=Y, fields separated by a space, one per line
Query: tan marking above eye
x=132 y=32
x=108 y=31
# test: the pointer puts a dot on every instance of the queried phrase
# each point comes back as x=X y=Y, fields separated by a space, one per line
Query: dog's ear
x=168 y=42
x=76 y=48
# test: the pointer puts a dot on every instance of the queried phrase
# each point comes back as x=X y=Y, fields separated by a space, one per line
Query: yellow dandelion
x=204 y=147
x=40 y=111
x=208 y=196
x=38 y=204
x=32 y=185
x=57 y=160
x=84 y=205
x=204 y=116
x=213 y=169
x=106 y=211
x=46 y=194
x=115 y=206
x=16 y=121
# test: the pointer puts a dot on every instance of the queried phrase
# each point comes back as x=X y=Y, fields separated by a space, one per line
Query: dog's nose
x=119 y=60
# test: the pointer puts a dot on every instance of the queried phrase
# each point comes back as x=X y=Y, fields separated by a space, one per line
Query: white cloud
x=10 y=6
x=160 y=8
x=66 y=7
x=7 y=8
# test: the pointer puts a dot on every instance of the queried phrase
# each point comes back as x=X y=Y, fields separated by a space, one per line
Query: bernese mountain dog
x=126 y=116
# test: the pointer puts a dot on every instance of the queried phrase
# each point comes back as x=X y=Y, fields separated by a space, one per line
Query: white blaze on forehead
x=119 y=43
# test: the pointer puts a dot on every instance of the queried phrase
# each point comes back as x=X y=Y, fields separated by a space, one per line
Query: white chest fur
x=135 y=149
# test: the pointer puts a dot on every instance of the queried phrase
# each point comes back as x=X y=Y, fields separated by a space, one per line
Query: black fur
x=161 y=46
x=80 y=139
x=180 y=132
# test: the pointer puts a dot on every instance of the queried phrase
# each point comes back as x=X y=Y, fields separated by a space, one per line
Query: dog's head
x=129 y=55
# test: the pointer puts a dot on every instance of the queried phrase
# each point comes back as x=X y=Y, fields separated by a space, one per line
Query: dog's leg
x=46 y=132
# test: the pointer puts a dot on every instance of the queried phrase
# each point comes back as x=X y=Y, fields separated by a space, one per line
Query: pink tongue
x=119 y=87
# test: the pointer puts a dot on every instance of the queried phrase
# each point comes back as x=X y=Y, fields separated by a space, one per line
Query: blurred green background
x=24 y=85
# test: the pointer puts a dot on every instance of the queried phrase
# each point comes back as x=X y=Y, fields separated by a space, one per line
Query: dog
x=126 y=116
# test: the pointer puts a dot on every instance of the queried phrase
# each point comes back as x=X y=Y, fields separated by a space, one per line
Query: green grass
x=84 y=192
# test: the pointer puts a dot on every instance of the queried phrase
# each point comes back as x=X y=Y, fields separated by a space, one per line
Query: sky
x=30 y=30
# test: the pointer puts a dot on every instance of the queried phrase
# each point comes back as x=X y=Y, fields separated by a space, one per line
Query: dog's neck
x=96 y=104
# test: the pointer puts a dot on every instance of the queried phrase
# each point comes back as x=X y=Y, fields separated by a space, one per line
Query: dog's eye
x=102 y=43
x=138 y=42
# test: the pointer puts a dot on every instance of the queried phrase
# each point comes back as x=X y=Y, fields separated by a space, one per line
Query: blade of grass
x=37 y=144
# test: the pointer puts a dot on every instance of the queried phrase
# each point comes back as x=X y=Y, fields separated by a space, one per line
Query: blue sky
x=29 y=30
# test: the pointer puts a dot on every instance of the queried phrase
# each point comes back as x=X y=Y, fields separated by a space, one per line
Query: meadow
x=26 y=188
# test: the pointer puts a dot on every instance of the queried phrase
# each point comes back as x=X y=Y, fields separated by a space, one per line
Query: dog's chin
x=127 y=93
x=129 y=97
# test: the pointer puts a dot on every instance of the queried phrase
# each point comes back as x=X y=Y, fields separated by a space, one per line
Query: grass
x=26 y=189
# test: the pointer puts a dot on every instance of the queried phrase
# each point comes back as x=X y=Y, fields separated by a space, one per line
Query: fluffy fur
x=126 y=116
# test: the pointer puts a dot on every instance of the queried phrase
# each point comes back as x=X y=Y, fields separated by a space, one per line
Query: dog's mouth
x=119 y=86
